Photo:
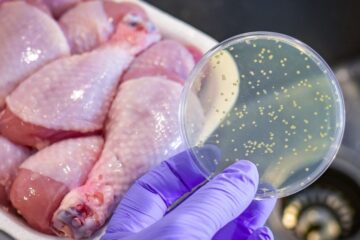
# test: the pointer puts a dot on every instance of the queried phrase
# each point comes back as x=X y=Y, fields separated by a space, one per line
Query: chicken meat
x=142 y=130
x=84 y=33
x=175 y=62
x=58 y=7
x=45 y=178
x=29 y=40
x=70 y=97
x=11 y=156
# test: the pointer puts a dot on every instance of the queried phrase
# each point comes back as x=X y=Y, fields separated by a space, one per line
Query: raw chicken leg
x=45 y=178
x=84 y=33
x=11 y=156
x=66 y=98
x=142 y=130
x=29 y=40
x=167 y=58
x=71 y=96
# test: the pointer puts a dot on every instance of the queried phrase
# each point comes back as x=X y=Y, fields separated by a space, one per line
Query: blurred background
x=330 y=208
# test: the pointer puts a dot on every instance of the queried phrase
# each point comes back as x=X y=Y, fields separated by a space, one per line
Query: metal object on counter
x=330 y=208
x=319 y=214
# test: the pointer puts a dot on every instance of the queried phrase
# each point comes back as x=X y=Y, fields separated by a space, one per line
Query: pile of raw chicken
x=89 y=95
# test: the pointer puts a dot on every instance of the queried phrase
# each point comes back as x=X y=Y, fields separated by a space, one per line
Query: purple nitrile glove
x=224 y=208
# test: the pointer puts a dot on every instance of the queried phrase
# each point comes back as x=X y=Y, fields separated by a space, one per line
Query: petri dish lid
x=268 y=98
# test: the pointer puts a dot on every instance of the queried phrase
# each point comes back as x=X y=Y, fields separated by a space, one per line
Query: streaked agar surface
x=270 y=99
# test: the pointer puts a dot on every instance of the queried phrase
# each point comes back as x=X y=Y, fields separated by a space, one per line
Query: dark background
x=331 y=27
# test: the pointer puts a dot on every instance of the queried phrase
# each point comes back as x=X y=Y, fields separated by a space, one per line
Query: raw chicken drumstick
x=142 y=130
x=84 y=33
x=70 y=97
x=173 y=64
x=11 y=156
x=29 y=40
x=66 y=98
x=45 y=178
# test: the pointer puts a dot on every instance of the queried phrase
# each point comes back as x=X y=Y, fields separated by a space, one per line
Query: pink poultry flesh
x=84 y=33
x=142 y=130
x=45 y=178
x=70 y=97
x=11 y=156
x=101 y=117
x=67 y=98
x=29 y=40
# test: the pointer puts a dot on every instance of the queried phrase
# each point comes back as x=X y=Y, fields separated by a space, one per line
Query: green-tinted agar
x=285 y=118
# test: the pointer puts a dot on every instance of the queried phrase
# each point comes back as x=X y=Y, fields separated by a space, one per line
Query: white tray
x=170 y=27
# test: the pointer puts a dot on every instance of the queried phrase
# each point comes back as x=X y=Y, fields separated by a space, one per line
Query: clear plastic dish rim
x=335 y=145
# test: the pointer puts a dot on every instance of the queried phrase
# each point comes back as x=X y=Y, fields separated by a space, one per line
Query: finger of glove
x=251 y=219
x=148 y=199
x=178 y=175
x=263 y=233
x=215 y=204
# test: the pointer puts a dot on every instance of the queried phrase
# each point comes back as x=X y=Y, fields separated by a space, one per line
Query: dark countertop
x=331 y=27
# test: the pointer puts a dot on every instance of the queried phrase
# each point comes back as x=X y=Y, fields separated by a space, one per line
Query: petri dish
x=268 y=98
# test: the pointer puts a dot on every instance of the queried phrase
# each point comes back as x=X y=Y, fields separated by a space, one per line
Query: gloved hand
x=224 y=208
